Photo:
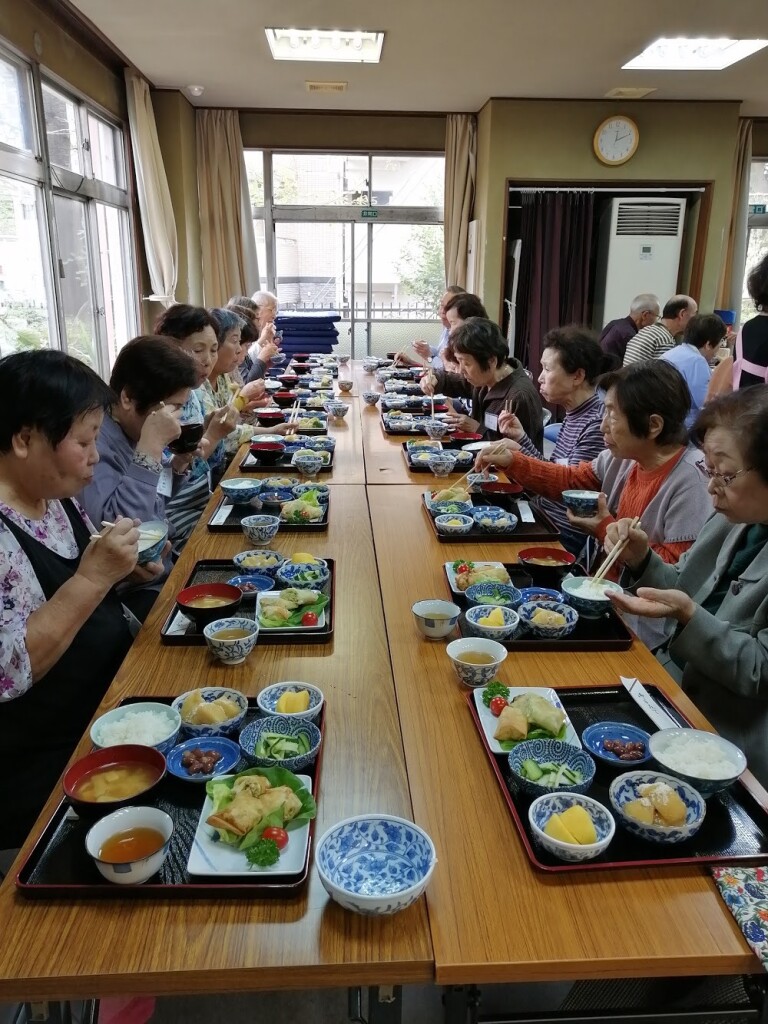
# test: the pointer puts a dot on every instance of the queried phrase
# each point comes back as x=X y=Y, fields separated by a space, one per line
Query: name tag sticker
x=491 y=421
x=165 y=483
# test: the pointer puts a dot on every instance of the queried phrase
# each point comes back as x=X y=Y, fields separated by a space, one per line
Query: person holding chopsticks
x=715 y=599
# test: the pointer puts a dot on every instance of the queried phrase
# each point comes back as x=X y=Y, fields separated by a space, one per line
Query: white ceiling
x=439 y=55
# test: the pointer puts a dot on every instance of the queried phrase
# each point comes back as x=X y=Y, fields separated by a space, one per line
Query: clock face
x=616 y=140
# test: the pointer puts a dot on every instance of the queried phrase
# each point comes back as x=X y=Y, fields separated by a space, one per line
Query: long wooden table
x=399 y=739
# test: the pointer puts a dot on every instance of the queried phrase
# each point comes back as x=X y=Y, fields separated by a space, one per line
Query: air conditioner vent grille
x=325 y=86
x=648 y=219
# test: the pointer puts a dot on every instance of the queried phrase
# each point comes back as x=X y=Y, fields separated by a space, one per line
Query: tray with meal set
x=608 y=632
x=251 y=463
x=497 y=517
x=635 y=811
x=201 y=861
x=395 y=425
x=283 y=625
x=228 y=517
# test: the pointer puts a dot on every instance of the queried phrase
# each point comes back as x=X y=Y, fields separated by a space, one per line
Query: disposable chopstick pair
x=294 y=415
x=493 y=450
x=610 y=560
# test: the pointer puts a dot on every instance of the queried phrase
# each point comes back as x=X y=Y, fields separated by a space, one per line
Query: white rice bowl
x=149 y=724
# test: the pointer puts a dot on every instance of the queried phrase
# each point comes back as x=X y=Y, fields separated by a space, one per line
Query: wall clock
x=616 y=140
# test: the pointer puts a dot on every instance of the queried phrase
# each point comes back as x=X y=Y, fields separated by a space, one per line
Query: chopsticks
x=108 y=526
x=608 y=563
x=294 y=416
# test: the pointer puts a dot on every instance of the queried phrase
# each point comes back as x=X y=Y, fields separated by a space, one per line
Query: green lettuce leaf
x=534 y=734
x=220 y=792
x=295 y=618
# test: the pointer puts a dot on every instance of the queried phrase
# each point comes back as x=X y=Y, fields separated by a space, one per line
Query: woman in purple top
x=571 y=364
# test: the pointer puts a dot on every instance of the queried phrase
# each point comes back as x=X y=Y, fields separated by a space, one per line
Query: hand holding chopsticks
x=617 y=550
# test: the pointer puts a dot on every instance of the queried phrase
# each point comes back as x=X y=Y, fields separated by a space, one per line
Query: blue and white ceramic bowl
x=595 y=735
x=395 y=402
x=240 y=491
x=554 y=752
x=492 y=594
x=454 y=525
x=542 y=809
x=435 y=428
x=535 y=595
x=435 y=619
x=375 y=864
x=230 y=756
x=471 y=674
x=337 y=409
x=464 y=459
x=588 y=601
x=320 y=444
x=209 y=694
x=478 y=479
x=626 y=787
x=153 y=535
x=273 y=559
x=231 y=652
x=277 y=497
x=581 y=503
x=664 y=744
x=252 y=584
x=313 y=576
x=136 y=871
x=322 y=490
x=251 y=734
x=342 y=360
x=527 y=610
x=493 y=519
x=441 y=463
x=450 y=508
x=278 y=483
x=371 y=397
x=499 y=633
x=125 y=713
x=270 y=695
x=309 y=465
x=260 y=529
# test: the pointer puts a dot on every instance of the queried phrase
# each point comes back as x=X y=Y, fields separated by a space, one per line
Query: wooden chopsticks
x=608 y=563
x=294 y=416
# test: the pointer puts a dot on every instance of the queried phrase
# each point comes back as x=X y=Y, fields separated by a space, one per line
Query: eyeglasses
x=721 y=479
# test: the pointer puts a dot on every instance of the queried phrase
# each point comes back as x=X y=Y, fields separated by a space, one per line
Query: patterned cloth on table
x=745 y=893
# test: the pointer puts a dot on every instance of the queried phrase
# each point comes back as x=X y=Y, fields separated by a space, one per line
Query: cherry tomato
x=278 y=835
x=497 y=705
x=462 y=568
x=309 y=619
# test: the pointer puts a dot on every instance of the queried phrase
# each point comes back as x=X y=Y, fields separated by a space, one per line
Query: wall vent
x=629 y=92
x=326 y=86
x=651 y=219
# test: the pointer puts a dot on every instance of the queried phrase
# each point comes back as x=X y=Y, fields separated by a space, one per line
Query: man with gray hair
x=644 y=310
x=655 y=339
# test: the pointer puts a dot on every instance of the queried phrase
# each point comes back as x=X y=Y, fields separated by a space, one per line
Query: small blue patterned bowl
x=435 y=619
x=493 y=519
x=395 y=402
x=314 y=576
x=478 y=479
x=556 y=752
x=230 y=755
x=251 y=734
x=308 y=465
x=595 y=735
x=251 y=585
x=542 y=809
x=464 y=459
x=493 y=593
x=270 y=695
x=581 y=503
x=626 y=787
x=591 y=606
x=209 y=694
x=240 y=491
x=500 y=633
x=375 y=864
x=337 y=409
x=435 y=428
x=450 y=508
x=441 y=463
x=469 y=673
x=231 y=652
x=273 y=559
x=454 y=525
x=277 y=497
x=320 y=444
x=322 y=490
x=371 y=397
x=260 y=529
x=526 y=611
x=535 y=595
x=154 y=534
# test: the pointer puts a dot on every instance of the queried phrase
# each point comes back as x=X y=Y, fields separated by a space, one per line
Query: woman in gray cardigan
x=716 y=597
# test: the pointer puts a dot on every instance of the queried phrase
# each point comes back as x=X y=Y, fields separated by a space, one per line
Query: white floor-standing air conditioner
x=638 y=250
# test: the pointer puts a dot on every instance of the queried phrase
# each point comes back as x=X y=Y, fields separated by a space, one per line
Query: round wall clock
x=616 y=140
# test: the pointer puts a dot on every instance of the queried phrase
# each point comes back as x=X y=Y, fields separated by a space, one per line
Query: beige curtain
x=460 y=170
x=732 y=269
x=226 y=229
x=157 y=221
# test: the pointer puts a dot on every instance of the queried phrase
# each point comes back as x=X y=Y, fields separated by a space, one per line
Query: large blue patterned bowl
x=441 y=463
x=240 y=491
x=260 y=529
x=308 y=465
x=493 y=519
x=626 y=787
x=589 y=601
x=283 y=726
x=527 y=611
x=434 y=428
x=542 y=809
x=322 y=490
x=209 y=694
x=375 y=864
x=668 y=745
x=556 y=752
x=273 y=558
x=450 y=508
x=270 y=695
x=500 y=633
x=371 y=397
x=125 y=716
x=493 y=593
x=581 y=503
x=314 y=576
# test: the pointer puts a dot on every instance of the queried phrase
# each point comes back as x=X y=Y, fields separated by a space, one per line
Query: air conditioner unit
x=638 y=250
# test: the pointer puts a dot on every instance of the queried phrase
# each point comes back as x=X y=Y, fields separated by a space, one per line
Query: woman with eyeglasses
x=715 y=600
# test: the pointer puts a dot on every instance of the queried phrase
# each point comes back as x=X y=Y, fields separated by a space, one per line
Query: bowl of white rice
x=148 y=723
x=704 y=760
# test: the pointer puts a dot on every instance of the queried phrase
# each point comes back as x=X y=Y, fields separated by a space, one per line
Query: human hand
x=590 y=524
x=656 y=604
x=428 y=383
x=423 y=349
x=267 y=351
x=637 y=544
x=267 y=336
x=461 y=421
x=113 y=556
x=162 y=426
x=221 y=423
x=510 y=426
x=500 y=453
x=149 y=572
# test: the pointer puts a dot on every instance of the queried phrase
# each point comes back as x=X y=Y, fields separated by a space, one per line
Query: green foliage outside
x=421 y=265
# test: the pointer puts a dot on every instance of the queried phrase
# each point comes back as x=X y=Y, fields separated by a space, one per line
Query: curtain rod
x=636 y=190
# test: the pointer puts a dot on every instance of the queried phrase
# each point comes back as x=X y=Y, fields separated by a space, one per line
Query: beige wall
x=760 y=138
x=551 y=140
x=331 y=131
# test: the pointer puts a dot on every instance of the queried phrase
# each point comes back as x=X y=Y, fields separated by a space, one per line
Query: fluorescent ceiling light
x=325 y=45
x=694 y=54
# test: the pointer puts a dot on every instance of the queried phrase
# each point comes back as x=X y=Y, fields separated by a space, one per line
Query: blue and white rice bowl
x=153 y=535
x=282 y=726
x=260 y=529
x=240 y=491
x=441 y=463
x=241 y=558
x=556 y=752
x=587 y=600
x=500 y=593
x=210 y=694
x=493 y=519
x=527 y=610
x=375 y=864
x=625 y=788
x=454 y=525
x=309 y=465
x=163 y=712
x=581 y=503
x=542 y=809
x=270 y=695
x=667 y=744
x=464 y=459
x=231 y=652
x=371 y=397
x=499 y=633
x=435 y=428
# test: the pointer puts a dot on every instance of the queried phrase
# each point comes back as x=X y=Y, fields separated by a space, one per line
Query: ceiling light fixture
x=683 y=54
x=325 y=45
x=195 y=90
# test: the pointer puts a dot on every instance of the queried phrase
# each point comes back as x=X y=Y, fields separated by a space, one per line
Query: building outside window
x=757 y=235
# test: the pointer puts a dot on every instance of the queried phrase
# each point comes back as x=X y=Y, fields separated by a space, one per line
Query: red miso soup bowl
x=112 y=777
x=269 y=419
x=500 y=489
x=284 y=398
x=546 y=565
x=268 y=453
x=206 y=602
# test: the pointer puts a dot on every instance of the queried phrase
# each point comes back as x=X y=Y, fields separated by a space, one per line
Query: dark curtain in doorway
x=553 y=287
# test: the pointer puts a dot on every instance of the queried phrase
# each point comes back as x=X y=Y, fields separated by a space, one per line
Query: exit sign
x=368 y=213
x=757 y=207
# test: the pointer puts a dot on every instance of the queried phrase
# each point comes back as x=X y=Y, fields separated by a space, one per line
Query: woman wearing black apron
x=63 y=630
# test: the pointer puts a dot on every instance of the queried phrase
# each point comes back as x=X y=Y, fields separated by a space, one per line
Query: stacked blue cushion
x=308 y=332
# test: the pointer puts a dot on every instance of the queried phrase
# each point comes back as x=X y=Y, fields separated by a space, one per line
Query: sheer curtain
x=732 y=270
x=230 y=266
x=157 y=221
x=460 y=170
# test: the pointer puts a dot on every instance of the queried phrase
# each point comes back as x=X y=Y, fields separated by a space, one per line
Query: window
x=757 y=232
x=360 y=234
x=66 y=265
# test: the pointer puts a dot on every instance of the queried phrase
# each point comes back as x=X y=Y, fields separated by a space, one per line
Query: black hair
x=181 y=320
x=704 y=328
x=150 y=369
x=745 y=414
x=675 y=306
x=466 y=305
x=648 y=388
x=250 y=331
x=578 y=349
x=480 y=338
x=47 y=391
x=757 y=283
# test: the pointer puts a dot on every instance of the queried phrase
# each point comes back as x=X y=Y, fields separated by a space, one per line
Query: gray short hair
x=645 y=303
x=264 y=299
x=226 y=320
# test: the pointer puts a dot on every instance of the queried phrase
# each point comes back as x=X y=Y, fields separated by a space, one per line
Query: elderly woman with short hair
x=255 y=363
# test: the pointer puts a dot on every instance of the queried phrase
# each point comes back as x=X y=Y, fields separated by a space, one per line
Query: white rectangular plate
x=489 y=722
x=211 y=857
x=452 y=575
x=287 y=629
